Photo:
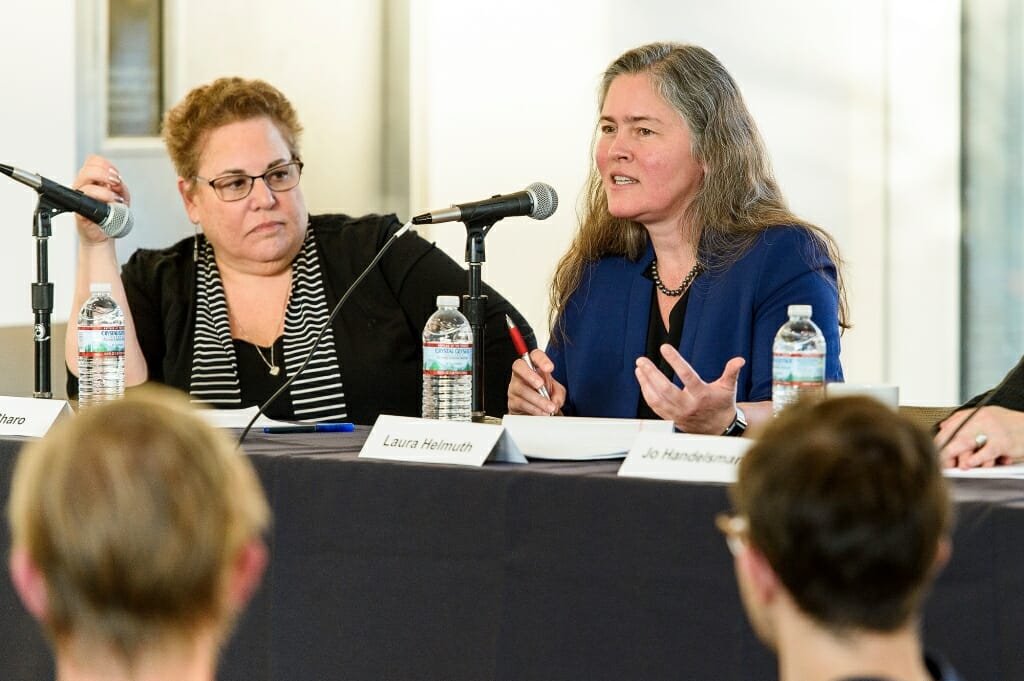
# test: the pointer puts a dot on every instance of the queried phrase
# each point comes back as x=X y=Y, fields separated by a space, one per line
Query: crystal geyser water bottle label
x=447 y=363
x=100 y=341
x=798 y=360
x=448 y=359
x=798 y=368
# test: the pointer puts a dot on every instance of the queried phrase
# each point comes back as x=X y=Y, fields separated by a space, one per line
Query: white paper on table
x=238 y=418
x=1012 y=471
x=577 y=438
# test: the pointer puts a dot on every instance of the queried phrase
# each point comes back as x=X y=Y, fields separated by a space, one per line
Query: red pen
x=522 y=351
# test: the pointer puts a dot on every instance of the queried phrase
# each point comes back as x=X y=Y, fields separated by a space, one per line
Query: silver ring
x=980 y=440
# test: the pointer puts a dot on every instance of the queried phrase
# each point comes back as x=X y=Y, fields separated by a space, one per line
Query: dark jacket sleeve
x=1009 y=393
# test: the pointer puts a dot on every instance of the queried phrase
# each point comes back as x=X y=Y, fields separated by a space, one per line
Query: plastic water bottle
x=100 y=348
x=798 y=360
x=448 y=363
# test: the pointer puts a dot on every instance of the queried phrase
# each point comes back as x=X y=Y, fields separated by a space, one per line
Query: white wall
x=37 y=133
x=922 y=250
x=325 y=57
x=493 y=111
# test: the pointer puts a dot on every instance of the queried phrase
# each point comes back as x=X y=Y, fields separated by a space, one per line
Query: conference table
x=549 y=570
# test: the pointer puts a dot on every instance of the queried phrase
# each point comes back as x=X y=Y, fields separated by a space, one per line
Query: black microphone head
x=545 y=200
x=119 y=221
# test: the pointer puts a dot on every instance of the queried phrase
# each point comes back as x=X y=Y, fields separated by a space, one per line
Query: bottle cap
x=99 y=287
x=448 y=301
x=799 y=310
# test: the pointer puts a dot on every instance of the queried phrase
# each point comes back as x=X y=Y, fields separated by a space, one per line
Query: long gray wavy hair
x=738 y=197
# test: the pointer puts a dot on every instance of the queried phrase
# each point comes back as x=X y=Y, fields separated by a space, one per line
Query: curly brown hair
x=223 y=101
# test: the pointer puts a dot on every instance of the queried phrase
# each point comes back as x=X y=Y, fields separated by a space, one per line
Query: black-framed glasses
x=735 y=528
x=236 y=187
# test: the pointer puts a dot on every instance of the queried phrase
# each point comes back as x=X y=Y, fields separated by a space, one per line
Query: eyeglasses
x=236 y=187
x=735 y=528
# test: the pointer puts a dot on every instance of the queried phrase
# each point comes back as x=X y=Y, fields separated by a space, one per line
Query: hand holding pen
x=525 y=395
x=523 y=351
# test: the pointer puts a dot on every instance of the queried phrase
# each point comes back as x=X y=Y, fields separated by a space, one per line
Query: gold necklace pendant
x=272 y=367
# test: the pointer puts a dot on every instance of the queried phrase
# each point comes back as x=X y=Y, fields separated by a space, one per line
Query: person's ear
x=942 y=553
x=762 y=582
x=185 y=188
x=29 y=583
x=246 y=572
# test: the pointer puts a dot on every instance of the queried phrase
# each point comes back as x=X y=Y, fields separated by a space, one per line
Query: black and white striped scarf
x=317 y=395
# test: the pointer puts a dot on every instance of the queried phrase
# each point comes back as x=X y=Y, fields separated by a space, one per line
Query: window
x=135 y=73
x=993 y=193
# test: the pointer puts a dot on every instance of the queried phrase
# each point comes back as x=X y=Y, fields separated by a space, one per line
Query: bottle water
x=448 y=363
x=798 y=360
x=100 y=348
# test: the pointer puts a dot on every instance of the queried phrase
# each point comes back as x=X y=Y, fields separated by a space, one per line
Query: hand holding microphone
x=101 y=199
x=99 y=179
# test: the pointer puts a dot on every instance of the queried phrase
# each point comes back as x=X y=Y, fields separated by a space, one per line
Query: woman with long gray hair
x=686 y=259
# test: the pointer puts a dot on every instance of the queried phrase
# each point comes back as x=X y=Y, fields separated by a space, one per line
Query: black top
x=658 y=335
x=378 y=333
x=259 y=384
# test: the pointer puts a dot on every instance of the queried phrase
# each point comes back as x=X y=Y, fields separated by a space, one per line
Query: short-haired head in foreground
x=846 y=502
x=135 y=526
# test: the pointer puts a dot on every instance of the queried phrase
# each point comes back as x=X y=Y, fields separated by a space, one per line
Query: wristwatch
x=738 y=425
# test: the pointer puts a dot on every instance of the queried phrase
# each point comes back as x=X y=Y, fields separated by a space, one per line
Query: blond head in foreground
x=136 y=538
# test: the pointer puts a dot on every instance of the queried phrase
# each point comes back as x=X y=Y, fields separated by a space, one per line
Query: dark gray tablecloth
x=546 y=571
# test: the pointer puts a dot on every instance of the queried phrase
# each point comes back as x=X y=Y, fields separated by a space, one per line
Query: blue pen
x=312 y=428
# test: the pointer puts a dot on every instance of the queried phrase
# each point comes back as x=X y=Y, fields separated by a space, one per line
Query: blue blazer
x=734 y=312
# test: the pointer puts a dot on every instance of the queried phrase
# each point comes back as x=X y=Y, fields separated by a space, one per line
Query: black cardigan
x=378 y=332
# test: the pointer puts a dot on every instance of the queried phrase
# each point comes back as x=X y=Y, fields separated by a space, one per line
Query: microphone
x=115 y=219
x=537 y=201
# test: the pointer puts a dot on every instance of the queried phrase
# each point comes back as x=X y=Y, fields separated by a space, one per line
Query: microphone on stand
x=115 y=219
x=538 y=201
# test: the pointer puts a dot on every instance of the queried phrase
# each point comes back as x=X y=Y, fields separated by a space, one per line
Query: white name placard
x=691 y=458
x=402 y=438
x=30 y=416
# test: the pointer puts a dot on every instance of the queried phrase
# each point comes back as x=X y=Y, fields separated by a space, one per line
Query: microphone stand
x=475 y=306
x=42 y=296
